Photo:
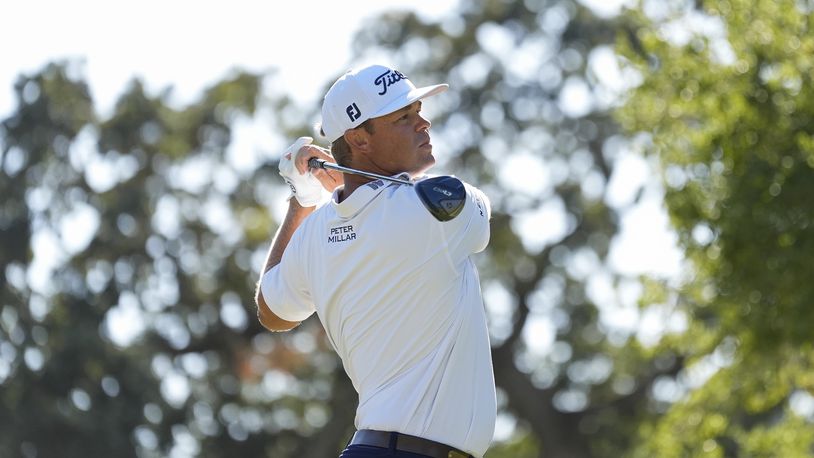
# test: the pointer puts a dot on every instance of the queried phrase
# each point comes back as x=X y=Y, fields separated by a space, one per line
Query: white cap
x=368 y=92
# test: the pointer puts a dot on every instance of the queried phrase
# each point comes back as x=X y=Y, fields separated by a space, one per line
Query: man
x=394 y=287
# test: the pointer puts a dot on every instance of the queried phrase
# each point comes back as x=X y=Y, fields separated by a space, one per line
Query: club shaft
x=315 y=163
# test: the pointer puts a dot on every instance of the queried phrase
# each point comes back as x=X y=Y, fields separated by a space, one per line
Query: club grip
x=315 y=163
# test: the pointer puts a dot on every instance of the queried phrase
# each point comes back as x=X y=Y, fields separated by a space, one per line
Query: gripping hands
x=306 y=183
x=305 y=187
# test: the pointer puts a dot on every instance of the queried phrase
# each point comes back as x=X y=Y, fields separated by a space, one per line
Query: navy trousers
x=368 y=451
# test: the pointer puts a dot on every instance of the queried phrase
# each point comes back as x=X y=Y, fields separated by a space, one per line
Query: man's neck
x=351 y=183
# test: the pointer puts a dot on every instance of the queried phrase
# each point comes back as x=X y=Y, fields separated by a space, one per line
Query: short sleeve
x=469 y=232
x=284 y=286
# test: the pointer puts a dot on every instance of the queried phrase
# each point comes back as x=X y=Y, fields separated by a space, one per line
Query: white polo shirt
x=400 y=301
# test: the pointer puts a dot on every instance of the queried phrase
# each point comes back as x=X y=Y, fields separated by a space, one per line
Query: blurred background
x=649 y=283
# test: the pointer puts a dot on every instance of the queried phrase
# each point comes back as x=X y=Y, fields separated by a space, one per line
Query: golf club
x=443 y=196
x=315 y=163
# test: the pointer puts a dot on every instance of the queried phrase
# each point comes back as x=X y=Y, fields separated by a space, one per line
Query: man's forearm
x=293 y=218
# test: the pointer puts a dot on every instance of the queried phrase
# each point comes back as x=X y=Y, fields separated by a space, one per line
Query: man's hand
x=305 y=187
x=330 y=179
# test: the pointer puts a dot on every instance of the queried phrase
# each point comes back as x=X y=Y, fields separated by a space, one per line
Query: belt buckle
x=456 y=454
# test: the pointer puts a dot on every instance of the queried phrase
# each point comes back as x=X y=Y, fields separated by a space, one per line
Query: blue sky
x=190 y=44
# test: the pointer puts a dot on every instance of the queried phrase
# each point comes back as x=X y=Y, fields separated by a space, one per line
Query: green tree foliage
x=141 y=218
x=730 y=116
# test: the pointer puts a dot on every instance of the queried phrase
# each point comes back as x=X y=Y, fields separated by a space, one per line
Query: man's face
x=400 y=142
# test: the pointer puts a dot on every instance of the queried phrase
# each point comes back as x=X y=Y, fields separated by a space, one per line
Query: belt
x=406 y=443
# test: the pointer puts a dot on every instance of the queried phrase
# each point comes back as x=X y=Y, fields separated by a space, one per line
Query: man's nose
x=423 y=123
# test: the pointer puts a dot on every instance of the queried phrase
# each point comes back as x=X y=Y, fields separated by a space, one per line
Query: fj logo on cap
x=353 y=112
x=387 y=79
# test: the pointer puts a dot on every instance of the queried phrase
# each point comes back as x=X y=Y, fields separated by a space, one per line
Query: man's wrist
x=295 y=207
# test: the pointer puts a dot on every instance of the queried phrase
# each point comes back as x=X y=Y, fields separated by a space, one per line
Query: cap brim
x=410 y=97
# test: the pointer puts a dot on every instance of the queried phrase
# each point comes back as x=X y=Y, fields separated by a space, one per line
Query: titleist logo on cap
x=387 y=79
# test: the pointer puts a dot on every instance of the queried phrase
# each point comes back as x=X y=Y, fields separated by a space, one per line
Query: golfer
x=393 y=285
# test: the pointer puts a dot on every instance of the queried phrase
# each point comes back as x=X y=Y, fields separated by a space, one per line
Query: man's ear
x=358 y=139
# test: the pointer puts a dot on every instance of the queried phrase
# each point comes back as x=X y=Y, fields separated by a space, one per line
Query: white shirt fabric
x=400 y=300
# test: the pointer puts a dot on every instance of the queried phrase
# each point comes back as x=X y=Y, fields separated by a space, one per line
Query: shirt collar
x=362 y=195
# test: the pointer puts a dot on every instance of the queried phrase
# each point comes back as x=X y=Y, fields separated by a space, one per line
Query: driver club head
x=443 y=196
